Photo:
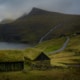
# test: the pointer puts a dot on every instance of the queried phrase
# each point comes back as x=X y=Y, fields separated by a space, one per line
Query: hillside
x=6 y=21
x=65 y=65
x=51 y=45
x=31 y=27
x=70 y=57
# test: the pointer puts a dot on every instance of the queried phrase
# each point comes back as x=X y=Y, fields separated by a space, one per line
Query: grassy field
x=74 y=43
x=71 y=55
x=55 y=74
x=51 y=45
x=63 y=63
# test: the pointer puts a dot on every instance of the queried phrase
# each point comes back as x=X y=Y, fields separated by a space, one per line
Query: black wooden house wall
x=11 y=66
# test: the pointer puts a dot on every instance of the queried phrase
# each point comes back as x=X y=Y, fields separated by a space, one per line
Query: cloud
x=15 y=8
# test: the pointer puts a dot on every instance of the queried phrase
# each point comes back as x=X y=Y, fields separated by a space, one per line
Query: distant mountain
x=31 y=27
x=36 y=11
x=6 y=21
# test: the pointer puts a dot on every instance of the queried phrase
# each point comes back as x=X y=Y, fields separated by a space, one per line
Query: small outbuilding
x=11 y=60
x=37 y=59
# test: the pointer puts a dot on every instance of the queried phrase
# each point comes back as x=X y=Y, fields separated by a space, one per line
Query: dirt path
x=63 y=46
x=44 y=36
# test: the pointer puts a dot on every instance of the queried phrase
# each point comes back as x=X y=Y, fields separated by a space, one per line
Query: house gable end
x=41 y=57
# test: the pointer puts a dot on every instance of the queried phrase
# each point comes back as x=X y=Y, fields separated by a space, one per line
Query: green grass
x=51 y=45
x=70 y=55
x=74 y=43
x=32 y=53
x=56 y=74
x=59 y=61
x=11 y=55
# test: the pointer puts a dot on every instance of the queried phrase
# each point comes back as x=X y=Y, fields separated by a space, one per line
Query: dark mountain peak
x=37 y=11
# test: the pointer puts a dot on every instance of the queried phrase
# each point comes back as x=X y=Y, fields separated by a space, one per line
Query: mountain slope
x=31 y=27
x=69 y=57
x=6 y=21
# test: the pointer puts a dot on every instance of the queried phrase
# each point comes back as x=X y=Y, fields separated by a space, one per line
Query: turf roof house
x=37 y=59
x=11 y=61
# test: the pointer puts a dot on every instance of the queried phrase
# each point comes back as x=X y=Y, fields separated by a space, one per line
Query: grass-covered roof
x=32 y=53
x=11 y=55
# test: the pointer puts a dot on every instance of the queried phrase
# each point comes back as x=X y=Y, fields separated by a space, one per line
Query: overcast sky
x=15 y=8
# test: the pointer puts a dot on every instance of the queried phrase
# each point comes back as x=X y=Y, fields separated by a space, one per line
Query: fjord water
x=12 y=46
